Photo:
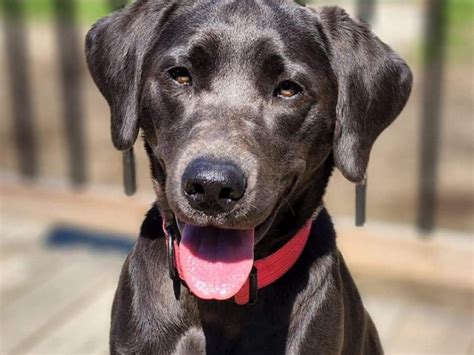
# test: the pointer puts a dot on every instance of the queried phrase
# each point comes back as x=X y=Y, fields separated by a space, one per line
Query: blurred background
x=66 y=226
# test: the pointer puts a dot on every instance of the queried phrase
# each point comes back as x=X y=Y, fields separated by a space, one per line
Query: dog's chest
x=285 y=326
x=236 y=334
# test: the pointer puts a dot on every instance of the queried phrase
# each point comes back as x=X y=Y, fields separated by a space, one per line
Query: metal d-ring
x=361 y=202
x=253 y=286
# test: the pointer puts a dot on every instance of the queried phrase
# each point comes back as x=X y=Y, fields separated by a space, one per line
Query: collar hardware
x=253 y=285
x=173 y=272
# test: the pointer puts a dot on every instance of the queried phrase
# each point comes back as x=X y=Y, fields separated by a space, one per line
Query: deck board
x=42 y=288
x=28 y=318
x=385 y=313
x=85 y=332
x=56 y=300
x=431 y=329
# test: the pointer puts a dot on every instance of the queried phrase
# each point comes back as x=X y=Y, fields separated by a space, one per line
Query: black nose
x=213 y=186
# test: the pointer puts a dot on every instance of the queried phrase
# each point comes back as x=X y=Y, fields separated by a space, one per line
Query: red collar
x=264 y=272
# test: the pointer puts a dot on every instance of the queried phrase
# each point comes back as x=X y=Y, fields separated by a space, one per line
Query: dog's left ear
x=374 y=84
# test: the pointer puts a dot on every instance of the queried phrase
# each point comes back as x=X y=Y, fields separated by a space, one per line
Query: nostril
x=228 y=193
x=193 y=188
x=198 y=189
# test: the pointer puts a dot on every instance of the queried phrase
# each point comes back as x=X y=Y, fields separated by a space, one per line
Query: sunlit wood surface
x=56 y=299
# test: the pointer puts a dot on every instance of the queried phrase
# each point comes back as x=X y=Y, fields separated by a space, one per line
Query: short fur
x=238 y=51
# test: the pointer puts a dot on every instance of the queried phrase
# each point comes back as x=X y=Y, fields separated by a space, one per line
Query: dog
x=246 y=107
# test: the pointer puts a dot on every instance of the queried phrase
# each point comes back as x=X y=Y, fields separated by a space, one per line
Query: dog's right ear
x=116 y=47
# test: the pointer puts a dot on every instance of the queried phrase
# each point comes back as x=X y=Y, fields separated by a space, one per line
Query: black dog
x=246 y=106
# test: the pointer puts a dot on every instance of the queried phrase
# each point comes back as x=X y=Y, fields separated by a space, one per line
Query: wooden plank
x=387 y=251
x=23 y=264
x=432 y=329
x=42 y=288
x=93 y=208
x=21 y=273
x=86 y=332
x=415 y=319
x=34 y=313
x=385 y=313
x=26 y=260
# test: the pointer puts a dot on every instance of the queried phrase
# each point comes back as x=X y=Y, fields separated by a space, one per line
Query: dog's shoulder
x=145 y=314
x=333 y=316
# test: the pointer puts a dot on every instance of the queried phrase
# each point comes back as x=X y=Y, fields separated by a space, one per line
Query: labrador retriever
x=246 y=107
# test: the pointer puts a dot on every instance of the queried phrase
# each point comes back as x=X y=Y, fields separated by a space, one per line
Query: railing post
x=434 y=50
x=19 y=81
x=128 y=157
x=70 y=57
x=366 y=10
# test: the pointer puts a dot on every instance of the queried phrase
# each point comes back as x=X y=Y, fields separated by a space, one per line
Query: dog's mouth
x=216 y=262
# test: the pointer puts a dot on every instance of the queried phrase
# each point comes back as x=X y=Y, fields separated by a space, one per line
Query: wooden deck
x=56 y=293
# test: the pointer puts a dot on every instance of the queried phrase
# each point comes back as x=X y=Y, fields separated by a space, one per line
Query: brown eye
x=287 y=89
x=180 y=75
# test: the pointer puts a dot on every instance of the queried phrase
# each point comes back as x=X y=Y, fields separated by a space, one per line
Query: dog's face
x=241 y=102
x=236 y=102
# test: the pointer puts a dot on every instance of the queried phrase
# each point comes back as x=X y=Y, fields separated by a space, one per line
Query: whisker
x=291 y=208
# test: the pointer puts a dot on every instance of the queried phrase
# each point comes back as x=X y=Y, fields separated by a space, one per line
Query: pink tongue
x=215 y=263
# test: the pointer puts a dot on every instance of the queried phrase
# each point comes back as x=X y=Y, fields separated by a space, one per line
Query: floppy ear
x=374 y=84
x=116 y=47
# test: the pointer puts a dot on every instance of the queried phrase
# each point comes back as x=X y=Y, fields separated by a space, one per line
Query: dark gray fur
x=237 y=52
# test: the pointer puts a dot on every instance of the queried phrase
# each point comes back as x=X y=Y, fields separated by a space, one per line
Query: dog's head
x=242 y=102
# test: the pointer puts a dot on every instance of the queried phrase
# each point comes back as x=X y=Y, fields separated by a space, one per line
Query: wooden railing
x=69 y=49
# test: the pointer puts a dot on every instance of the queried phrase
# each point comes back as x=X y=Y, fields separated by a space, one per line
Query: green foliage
x=461 y=12
x=461 y=28
x=43 y=10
